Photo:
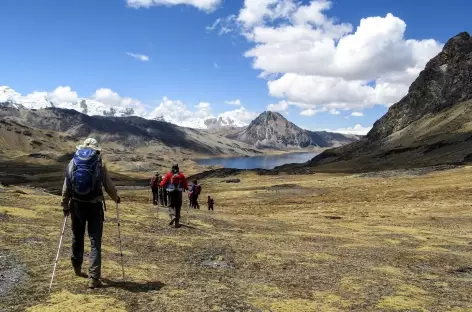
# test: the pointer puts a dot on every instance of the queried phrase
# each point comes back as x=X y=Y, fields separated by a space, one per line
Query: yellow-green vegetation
x=321 y=242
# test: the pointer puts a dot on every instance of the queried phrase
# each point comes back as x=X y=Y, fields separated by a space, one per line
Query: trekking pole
x=158 y=205
x=119 y=237
x=188 y=209
x=58 y=252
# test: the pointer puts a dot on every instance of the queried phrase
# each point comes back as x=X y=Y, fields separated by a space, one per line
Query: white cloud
x=177 y=112
x=204 y=5
x=310 y=58
x=62 y=95
x=111 y=98
x=236 y=102
x=281 y=107
x=224 y=25
x=140 y=57
x=255 y=11
x=357 y=129
x=241 y=114
x=334 y=111
x=308 y=112
x=357 y=114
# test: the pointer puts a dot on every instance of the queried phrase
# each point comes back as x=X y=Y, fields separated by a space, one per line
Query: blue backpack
x=86 y=179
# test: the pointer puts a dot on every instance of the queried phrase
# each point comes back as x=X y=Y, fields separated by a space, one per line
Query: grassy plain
x=321 y=242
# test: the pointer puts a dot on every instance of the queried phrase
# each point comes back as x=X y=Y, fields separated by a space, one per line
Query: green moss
x=65 y=301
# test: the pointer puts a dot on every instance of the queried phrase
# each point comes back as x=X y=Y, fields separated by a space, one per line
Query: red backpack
x=198 y=189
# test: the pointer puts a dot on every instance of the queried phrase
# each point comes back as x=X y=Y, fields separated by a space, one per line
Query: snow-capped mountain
x=40 y=100
x=223 y=122
x=92 y=107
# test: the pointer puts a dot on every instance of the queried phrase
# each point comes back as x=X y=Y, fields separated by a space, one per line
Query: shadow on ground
x=133 y=286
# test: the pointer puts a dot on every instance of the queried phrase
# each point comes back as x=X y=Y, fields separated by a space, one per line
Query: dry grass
x=313 y=243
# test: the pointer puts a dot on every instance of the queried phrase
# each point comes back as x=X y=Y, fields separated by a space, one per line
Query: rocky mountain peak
x=445 y=81
x=458 y=44
x=269 y=117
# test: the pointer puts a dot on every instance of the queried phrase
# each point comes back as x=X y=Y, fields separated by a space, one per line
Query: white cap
x=90 y=143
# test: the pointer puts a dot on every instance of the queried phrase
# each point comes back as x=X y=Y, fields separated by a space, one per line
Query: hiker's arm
x=66 y=188
x=109 y=185
x=185 y=184
x=165 y=181
x=65 y=193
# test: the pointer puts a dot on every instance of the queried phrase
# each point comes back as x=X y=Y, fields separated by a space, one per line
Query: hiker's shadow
x=133 y=286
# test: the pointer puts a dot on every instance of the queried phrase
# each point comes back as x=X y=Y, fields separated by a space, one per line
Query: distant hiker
x=194 y=192
x=82 y=198
x=175 y=183
x=211 y=202
x=155 y=181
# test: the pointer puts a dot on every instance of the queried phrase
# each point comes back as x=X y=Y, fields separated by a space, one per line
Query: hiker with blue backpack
x=82 y=199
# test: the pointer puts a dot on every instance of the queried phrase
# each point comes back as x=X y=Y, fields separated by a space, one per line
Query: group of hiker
x=160 y=191
x=83 y=201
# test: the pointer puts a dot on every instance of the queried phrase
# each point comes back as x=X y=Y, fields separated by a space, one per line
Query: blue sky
x=84 y=44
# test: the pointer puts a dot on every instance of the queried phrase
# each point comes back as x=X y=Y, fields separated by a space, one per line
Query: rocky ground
x=317 y=242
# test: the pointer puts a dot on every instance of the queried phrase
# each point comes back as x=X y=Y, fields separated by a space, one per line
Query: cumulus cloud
x=62 y=95
x=140 y=57
x=357 y=114
x=281 y=107
x=204 y=5
x=255 y=11
x=311 y=58
x=308 y=112
x=357 y=129
x=241 y=114
x=236 y=102
x=112 y=98
x=177 y=112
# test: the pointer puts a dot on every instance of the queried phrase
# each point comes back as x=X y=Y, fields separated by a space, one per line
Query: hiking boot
x=172 y=221
x=177 y=224
x=78 y=271
x=94 y=283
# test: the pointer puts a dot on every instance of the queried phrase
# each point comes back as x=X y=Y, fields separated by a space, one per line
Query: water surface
x=261 y=162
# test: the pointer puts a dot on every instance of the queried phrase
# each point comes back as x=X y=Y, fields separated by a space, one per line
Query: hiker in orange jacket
x=175 y=183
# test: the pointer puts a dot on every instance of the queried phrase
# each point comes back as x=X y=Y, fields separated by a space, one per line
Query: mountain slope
x=431 y=125
x=133 y=143
x=272 y=130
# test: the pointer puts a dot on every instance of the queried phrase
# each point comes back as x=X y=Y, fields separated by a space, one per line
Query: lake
x=262 y=162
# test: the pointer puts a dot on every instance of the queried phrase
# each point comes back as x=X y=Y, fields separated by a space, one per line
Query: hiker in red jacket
x=175 y=183
x=155 y=181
